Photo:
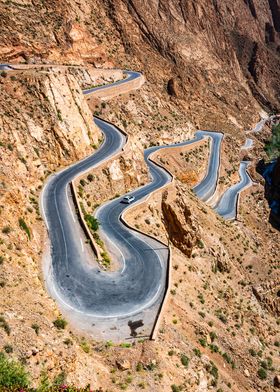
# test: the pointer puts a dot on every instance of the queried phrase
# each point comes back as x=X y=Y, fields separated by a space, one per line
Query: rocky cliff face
x=202 y=43
x=54 y=31
x=213 y=57
x=45 y=124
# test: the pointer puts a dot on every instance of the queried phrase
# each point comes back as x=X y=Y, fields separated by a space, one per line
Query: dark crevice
x=269 y=33
x=275 y=13
x=251 y=5
x=252 y=62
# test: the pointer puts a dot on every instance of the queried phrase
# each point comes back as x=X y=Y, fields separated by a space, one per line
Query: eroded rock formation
x=181 y=225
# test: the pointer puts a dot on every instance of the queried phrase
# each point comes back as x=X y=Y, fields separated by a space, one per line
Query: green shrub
x=201 y=298
x=151 y=366
x=60 y=323
x=175 y=388
x=109 y=343
x=24 y=227
x=139 y=367
x=214 y=371
x=59 y=116
x=68 y=342
x=202 y=342
x=197 y=352
x=85 y=346
x=262 y=374
x=221 y=317
x=214 y=348
x=227 y=358
x=92 y=222
x=125 y=345
x=12 y=374
x=213 y=336
x=252 y=352
x=185 y=360
x=264 y=364
x=106 y=258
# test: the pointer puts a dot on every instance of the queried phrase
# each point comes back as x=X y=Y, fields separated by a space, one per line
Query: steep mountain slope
x=208 y=46
x=209 y=64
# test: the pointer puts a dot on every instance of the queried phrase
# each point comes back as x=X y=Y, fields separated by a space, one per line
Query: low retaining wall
x=84 y=225
x=115 y=90
x=169 y=258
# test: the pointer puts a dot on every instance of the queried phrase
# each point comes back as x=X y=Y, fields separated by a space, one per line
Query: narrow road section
x=228 y=203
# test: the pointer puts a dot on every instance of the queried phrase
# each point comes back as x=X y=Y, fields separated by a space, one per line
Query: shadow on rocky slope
x=271 y=174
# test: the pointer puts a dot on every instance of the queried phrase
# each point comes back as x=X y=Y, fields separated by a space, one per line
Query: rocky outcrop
x=180 y=224
x=117 y=176
x=268 y=294
x=173 y=87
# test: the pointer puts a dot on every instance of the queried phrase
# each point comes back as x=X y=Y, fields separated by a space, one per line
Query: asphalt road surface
x=248 y=144
x=6 y=67
x=206 y=188
x=130 y=75
x=141 y=279
x=227 y=205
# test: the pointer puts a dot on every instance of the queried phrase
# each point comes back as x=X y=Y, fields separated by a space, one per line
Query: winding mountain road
x=133 y=294
x=141 y=280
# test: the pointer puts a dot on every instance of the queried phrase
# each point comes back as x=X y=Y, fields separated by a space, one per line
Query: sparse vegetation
x=175 y=388
x=85 y=346
x=24 y=227
x=92 y=222
x=185 y=360
x=60 y=323
x=12 y=374
x=262 y=373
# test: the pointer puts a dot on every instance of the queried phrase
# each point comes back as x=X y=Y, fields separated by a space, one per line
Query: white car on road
x=128 y=199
